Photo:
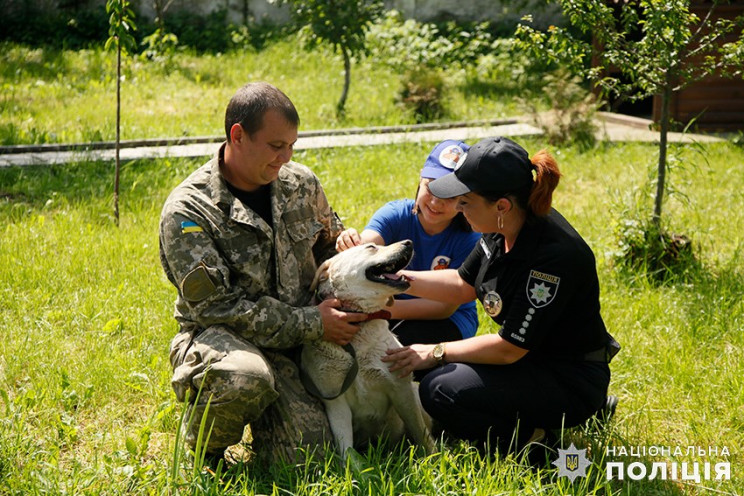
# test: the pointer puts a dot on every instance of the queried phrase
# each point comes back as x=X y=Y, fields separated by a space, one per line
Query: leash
x=350 y=376
x=353 y=370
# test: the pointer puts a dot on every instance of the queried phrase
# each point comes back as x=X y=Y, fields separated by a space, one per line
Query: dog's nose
x=407 y=243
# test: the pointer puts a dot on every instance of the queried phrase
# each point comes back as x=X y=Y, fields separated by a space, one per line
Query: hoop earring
x=501 y=221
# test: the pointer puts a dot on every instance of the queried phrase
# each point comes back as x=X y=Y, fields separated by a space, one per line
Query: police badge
x=492 y=303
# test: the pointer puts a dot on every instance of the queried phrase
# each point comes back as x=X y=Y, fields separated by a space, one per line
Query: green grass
x=86 y=318
x=51 y=96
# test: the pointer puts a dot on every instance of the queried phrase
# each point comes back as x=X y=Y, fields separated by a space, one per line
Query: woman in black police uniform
x=547 y=368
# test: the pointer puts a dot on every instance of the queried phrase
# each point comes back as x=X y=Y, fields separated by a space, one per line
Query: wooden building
x=714 y=103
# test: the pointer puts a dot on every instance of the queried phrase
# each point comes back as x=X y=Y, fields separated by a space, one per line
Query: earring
x=501 y=220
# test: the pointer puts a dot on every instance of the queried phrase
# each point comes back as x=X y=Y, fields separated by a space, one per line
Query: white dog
x=377 y=402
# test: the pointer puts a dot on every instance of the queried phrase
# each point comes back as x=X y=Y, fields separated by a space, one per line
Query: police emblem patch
x=572 y=462
x=542 y=288
x=492 y=303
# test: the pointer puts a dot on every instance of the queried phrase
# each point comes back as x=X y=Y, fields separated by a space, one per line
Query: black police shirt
x=544 y=292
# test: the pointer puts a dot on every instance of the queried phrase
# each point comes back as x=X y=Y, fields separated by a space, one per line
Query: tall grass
x=86 y=317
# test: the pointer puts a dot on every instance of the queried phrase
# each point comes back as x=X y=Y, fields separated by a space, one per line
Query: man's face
x=261 y=156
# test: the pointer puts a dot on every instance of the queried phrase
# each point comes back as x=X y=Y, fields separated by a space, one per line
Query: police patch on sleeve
x=542 y=288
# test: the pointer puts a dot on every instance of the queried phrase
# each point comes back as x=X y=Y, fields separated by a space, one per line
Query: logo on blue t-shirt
x=440 y=262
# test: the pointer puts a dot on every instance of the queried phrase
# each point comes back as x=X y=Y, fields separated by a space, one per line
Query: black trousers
x=500 y=406
x=425 y=331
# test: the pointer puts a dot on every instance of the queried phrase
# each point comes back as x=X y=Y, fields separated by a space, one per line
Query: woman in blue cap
x=547 y=367
x=442 y=239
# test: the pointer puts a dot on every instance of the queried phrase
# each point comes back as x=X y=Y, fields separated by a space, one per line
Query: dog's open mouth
x=387 y=274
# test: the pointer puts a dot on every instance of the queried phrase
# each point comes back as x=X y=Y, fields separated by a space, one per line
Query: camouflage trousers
x=245 y=385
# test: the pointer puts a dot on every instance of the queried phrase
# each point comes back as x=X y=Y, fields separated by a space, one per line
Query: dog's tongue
x=394 y=277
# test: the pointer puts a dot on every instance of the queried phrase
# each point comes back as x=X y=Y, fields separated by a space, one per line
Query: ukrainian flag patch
x=188 y=226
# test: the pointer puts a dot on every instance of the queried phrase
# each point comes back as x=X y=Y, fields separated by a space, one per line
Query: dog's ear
x=390 y=302
x=320 y=275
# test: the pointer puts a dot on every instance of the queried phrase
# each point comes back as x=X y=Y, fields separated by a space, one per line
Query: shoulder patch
x=197 y=285
x=542 y=288
x=189 y=226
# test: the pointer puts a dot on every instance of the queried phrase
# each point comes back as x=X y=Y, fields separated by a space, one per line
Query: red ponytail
x=547 y=176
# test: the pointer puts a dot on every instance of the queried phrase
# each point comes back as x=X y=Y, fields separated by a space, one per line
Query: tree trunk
x=340 y=107
x=118 y=126
x=666 y=96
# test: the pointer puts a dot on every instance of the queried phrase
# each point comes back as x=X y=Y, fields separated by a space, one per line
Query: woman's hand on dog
x=338 y=326
x=348 y=239
x=409 y=358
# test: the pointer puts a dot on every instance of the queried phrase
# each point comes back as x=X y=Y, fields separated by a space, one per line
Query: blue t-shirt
x=395 y=221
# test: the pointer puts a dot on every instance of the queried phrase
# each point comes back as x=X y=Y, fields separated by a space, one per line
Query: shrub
x=570 y=119
x=402 y=44
x=646 y=249
x=422 y=94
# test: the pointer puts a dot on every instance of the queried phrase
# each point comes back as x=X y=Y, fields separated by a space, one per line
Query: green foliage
x=423 y=93
x=403 y=44
x=651 y=43
x=650 y=47
x=661 y=256
x=570 y=119
x=121 y=26
x=160 y=46
x=342 y=24
x=339 y=23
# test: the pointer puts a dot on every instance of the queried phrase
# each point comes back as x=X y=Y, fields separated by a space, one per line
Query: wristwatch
x=438 y=354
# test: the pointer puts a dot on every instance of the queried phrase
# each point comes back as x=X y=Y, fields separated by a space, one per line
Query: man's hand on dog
x=339 y=326
x=409 y=358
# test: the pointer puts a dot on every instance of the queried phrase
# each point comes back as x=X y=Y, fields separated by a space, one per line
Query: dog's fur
x=378 y=402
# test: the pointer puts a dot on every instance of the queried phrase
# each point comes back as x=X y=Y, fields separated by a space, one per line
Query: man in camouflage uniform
x=240 y=239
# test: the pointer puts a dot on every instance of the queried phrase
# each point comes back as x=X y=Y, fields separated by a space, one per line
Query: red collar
x=380 y=314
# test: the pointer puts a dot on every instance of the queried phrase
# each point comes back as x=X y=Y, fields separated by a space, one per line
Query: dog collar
x=380 y=314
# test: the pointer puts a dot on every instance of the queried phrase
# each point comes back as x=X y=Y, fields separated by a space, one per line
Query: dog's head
x=364 y=277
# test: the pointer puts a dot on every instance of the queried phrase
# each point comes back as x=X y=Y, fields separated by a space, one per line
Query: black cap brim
x=448 y=187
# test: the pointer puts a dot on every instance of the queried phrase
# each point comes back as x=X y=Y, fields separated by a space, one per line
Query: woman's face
x=479 y=212
x=433 y=211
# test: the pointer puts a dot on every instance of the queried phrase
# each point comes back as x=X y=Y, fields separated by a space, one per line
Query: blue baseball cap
x=443 y=158
x=493 y=166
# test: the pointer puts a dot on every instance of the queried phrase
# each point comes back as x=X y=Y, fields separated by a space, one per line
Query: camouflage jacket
x=232 y=268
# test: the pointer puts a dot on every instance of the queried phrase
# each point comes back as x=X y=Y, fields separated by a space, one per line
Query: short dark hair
x=249 y=104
